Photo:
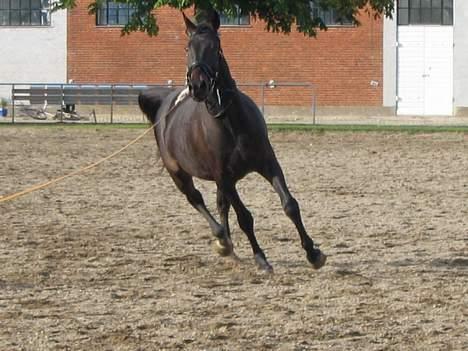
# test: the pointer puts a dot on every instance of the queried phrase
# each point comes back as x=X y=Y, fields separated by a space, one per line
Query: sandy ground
x=116 y=259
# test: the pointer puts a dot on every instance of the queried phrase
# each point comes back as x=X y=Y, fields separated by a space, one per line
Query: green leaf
x=278 y=15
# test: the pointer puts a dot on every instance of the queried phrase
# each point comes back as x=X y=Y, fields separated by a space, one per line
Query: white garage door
x=425 y=70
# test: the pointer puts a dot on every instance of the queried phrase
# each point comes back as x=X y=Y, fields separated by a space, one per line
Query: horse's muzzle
x=199 y=89
x=199 y=82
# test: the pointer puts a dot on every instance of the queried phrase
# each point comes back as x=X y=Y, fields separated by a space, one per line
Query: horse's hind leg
x=274 y=174
x=185 y=184
x=246 y=223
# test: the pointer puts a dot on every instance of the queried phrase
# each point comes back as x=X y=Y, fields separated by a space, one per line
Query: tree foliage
x=279 y=15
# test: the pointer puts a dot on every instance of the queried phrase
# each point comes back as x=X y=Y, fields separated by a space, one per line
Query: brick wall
x=341 y=61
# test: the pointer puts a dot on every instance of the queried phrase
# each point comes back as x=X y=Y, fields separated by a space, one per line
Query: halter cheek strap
x=207 y=71
x=220 y=101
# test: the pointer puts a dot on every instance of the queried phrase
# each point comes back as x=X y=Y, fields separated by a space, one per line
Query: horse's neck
x=232 y=116
x=223 y=93
x=226 y=79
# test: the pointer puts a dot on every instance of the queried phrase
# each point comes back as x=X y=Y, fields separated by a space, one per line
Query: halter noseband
x=207 y=71
x=213 y=79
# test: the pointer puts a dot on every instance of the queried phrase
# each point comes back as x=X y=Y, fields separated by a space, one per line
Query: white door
x=425 y=70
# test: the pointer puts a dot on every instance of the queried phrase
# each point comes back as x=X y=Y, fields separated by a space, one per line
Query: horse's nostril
x=200 y=87
x=199 y=90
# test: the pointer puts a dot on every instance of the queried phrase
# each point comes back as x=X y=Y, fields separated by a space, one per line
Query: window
x=24 y=12
x=435 y=12
x=330 y=17
x=238 y=19
x=114 y=14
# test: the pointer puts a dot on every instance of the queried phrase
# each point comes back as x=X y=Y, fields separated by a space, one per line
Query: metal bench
x=38 y=94
x=47 y=94
x=69 y=95
x=102 y=94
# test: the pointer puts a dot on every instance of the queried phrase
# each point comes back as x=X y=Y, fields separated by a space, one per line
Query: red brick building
x=345 y=62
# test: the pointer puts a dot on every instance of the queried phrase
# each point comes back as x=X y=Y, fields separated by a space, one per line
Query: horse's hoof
x=263 y=264
x=223 y=247
x=318 y=258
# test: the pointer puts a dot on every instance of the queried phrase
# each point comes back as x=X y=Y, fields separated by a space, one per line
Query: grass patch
x=274 y=127
x=411 y=129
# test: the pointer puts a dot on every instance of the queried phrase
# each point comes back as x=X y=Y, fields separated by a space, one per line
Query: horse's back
x=151 y=100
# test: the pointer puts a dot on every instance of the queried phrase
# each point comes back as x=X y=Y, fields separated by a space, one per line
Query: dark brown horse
x=212 y=131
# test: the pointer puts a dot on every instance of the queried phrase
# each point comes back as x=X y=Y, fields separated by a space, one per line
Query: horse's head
x=203 y=56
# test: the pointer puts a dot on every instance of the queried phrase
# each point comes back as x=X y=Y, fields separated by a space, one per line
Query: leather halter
x=220 y=104
x=207 y=71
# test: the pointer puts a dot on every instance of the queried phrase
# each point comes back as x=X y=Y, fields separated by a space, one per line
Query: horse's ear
x=190 y=27
x=215 y=21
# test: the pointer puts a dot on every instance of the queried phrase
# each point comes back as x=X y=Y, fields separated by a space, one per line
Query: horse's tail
x=150 y=101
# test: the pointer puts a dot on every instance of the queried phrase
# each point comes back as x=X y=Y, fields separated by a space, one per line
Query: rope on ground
x=74 y=173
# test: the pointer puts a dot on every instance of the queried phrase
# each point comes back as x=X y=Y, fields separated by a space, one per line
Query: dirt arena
x=116 y=259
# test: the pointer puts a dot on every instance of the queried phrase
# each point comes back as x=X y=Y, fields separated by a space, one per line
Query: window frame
x=118 y=7
x=238 y=19
x=417 y=12
x=324 y=15
x=26 y=8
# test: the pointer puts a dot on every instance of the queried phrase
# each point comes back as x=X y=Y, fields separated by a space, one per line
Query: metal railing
x=112 y=95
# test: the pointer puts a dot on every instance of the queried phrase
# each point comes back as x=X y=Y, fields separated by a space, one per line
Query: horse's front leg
x=246 y=223
x=223 y=206
x=185 y=184
x=273 y=173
